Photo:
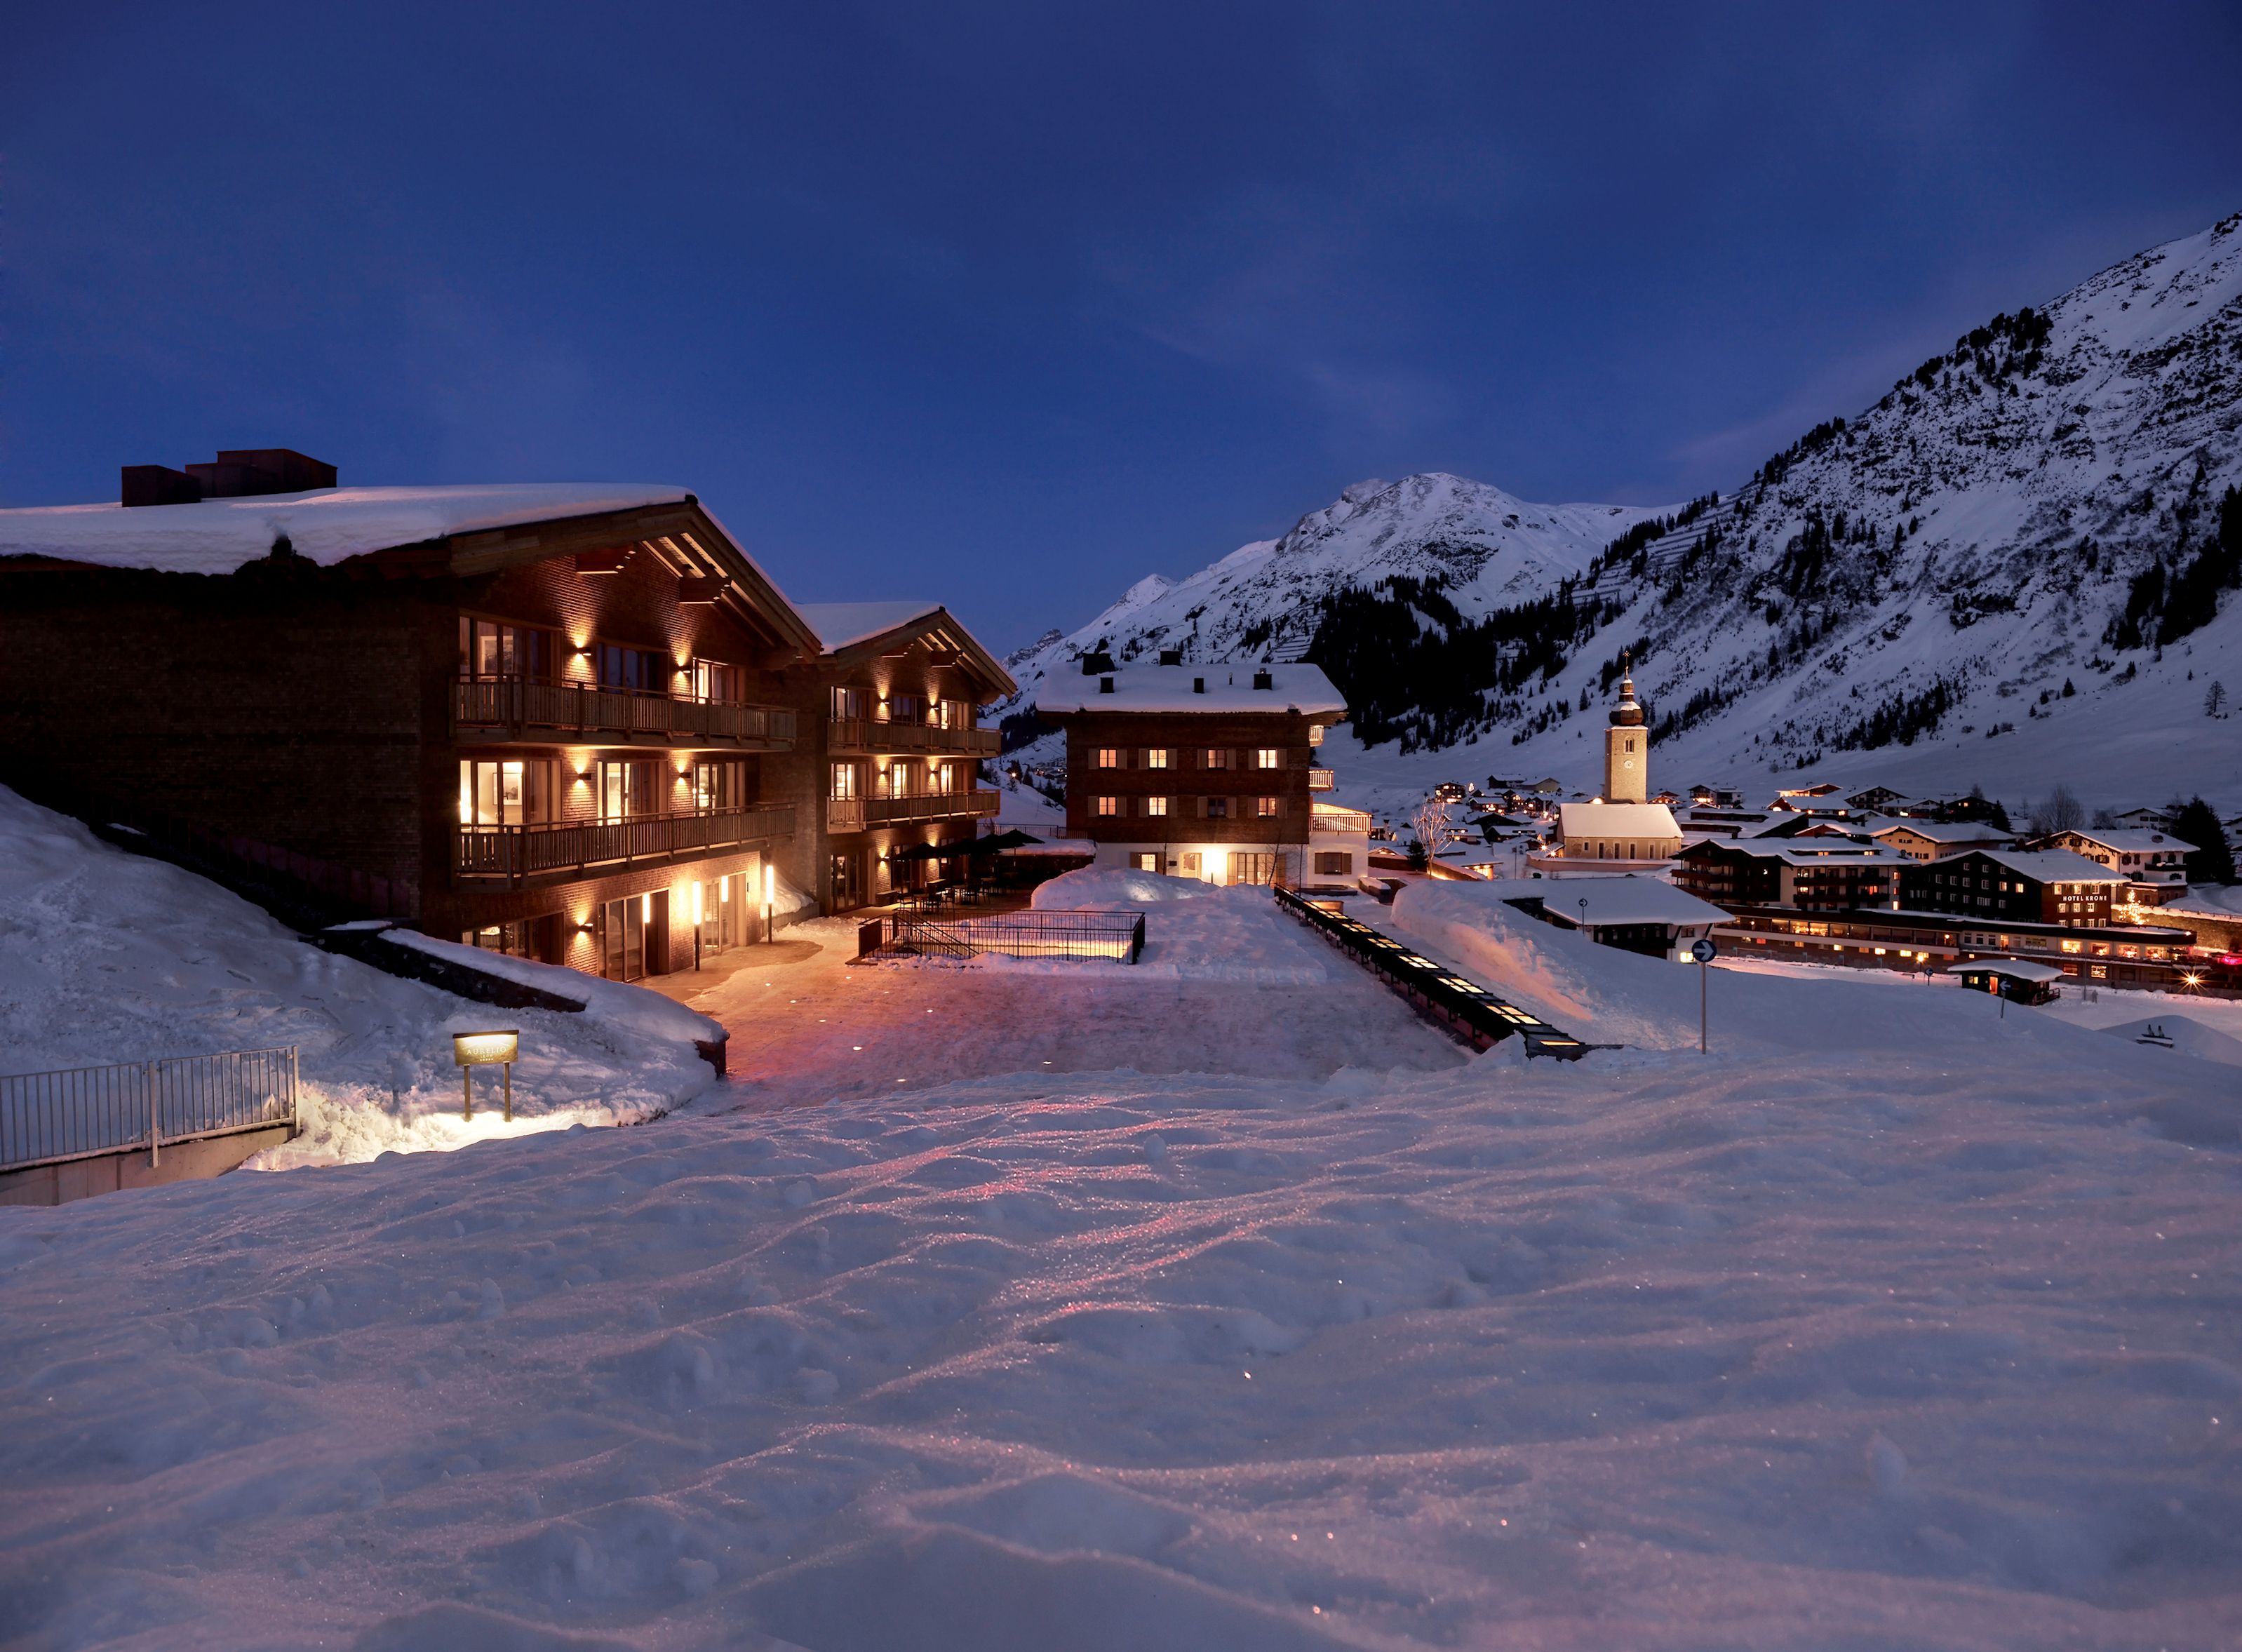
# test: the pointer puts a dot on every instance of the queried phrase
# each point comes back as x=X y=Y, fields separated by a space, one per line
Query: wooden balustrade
x=511 y=706
x=548 y=851
x=872 y=735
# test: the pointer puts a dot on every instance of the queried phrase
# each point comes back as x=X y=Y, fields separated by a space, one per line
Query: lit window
x=1156 y=805
x=1218 y=759
x=1264 y=806
x=1109 y=757
x=1108 y=805
x=1156 y=757
x=1267 y=757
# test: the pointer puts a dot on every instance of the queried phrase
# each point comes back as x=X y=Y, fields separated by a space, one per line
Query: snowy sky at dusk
x=1012 y=305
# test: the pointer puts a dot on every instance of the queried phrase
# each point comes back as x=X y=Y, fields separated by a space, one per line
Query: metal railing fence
x=1117 y=937
x=48 y=1118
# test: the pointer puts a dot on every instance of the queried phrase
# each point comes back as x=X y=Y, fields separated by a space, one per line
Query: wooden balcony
x=1320 y=780
x=861 y=813
x=875 y=737
x=513 y=708
x=518 y=856
x=1331 y=820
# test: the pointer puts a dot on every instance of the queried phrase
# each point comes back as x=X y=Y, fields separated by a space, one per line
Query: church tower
x=1627 y=749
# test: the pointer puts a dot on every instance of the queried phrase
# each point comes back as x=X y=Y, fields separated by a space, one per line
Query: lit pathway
x=807 y=1025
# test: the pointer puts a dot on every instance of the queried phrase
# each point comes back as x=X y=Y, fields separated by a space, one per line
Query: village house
x=1931 y=840
x=2154 y=863
x=2046 y=887
x=578 y=724
x=1207 y=771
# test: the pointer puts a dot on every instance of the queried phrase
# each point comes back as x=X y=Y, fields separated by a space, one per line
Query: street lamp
x=697 y=909
x=770 y=899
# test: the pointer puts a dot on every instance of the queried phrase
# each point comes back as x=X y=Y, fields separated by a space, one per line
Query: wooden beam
x=607 y=561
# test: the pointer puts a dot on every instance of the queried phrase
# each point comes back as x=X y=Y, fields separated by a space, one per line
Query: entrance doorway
x=634 y=937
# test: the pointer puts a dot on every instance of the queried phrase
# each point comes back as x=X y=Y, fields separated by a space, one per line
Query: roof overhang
x=939 y=632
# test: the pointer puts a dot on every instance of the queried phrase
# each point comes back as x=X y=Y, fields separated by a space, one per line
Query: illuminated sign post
x=473 y=1049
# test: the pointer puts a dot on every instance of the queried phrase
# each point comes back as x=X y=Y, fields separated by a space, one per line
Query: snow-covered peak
x=1486 y=547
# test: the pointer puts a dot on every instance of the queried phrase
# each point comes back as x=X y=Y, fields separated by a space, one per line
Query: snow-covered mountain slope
x=1997 y=574
x=1489 y=549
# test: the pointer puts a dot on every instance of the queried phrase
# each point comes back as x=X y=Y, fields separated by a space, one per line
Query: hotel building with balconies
x=576 y=723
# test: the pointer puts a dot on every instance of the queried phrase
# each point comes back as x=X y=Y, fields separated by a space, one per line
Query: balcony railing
x=1319 y=780
x=521 y=854
x=1335 y=821
x=871 y=735
x=514 y=706
x=856 y=813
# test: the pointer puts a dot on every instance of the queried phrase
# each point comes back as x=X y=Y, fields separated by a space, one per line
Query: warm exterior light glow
x=646 y=908
x=696 y=902
x=770 y=885
x=485 y=1048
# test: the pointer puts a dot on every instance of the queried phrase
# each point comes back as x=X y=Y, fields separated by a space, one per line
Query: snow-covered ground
x=107 y=956
x=1893 y=1323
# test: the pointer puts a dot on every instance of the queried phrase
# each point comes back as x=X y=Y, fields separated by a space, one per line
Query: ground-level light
x=770 y=899
x=473 y=1049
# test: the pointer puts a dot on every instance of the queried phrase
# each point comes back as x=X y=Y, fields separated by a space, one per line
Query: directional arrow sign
x=1703 y=950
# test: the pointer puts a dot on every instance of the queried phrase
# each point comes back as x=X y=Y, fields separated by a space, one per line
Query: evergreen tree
x=2210 y=861
x=2214 y=699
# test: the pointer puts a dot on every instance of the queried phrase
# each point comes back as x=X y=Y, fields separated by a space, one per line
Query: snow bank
x=1606 y=996
x=1194 y=930
x=1932 y=1344
x=107 y=956
x=617 y=1002
x=327 y=526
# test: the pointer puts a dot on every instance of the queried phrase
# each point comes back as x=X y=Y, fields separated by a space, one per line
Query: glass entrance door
x=622 y=939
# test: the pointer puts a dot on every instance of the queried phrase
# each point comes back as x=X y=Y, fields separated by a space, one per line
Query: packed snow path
x=1898 y=1340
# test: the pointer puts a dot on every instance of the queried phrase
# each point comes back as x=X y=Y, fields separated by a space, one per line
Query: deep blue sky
x=1012 y=305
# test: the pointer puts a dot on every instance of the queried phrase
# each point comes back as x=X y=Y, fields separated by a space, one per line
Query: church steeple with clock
x=1627 y=749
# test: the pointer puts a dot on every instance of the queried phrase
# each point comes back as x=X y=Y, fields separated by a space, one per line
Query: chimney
x=1172 y=656
x=1262 y=680
x=1198 y=685
x=1105 y=685
x=156 y=485
x=241 y=473
x=1096 y=661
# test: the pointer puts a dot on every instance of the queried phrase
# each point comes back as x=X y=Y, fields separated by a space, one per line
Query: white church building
x=1621 y=832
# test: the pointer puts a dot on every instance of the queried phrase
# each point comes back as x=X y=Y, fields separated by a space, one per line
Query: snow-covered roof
x=1953 y=831
x=1229 y=690
x=2015 y=969
x=2053 y=866
x=328 y=525
x=1812 y=851
x=1617 y=820
x=1630 y=900
x=839 y=624
x=2127 y=841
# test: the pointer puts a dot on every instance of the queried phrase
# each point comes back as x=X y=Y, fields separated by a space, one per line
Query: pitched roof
x=1629 y=900
x=2052 y=866
x=2126 y=840
x=1616 y=820
x=859 y=628
x=1228 y=690
x=328 y=525
x=1948 y=831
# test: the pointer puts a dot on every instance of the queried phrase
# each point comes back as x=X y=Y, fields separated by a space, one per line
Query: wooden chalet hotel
x=577 y=723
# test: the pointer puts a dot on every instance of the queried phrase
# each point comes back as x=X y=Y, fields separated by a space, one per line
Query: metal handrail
x=515 y=852
x=1115 y=936
x=518 y=702
x=872 y=734
x=85 y=1112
